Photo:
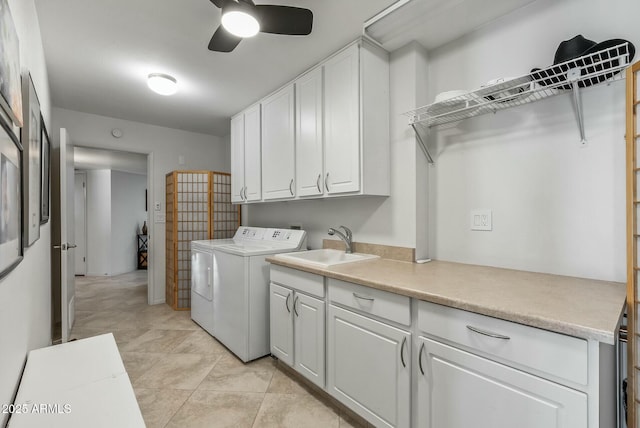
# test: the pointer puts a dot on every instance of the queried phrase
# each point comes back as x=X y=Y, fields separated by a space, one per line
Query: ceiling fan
x=243 y=18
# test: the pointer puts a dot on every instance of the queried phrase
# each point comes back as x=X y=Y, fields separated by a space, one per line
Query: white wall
x=391 y=220
x=25 y=294
x=127 y=217
x=165 y=145
x=557 y=207
x=99 y=222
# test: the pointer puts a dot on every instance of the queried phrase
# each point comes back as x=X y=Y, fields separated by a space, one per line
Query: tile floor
x=182 y=376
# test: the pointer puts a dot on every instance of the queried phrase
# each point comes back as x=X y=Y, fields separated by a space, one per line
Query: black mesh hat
x=580 y=46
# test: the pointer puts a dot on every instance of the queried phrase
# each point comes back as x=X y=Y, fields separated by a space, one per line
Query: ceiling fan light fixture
x=162 y=84
x=239 y=20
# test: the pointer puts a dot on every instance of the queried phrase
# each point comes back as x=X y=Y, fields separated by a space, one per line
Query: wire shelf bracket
x=570 y=76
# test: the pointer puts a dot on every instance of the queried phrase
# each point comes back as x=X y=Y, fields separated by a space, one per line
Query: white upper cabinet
x=246 y=181
x=356 y=121
x=278 y=139
x=325 y=134
x=252 y=158
x=341 y=122
x=309 y=140
x=237 y=158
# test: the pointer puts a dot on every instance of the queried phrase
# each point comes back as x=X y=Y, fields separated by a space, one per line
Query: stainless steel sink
x=325 y=258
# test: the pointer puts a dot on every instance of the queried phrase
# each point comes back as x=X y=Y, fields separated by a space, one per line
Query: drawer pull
x=357 y=296
x=404 y=342
x=294 y=306
x=286 y=303
x=488 y=333
x=420 y=358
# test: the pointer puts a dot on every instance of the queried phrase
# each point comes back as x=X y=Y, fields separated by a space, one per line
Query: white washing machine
x=202 y=281
x=230 y=286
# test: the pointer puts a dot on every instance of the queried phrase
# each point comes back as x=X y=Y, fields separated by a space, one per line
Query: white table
x=77 y=384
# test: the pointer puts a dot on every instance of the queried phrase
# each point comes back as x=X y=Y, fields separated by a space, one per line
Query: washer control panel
x=292 y=237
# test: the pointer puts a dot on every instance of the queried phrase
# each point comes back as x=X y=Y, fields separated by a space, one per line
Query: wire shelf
x=602 y=66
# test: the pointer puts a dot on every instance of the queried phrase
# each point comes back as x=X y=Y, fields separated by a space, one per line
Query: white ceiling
x=99 y=52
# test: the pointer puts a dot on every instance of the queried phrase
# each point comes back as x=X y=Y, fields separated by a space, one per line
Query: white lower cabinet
x=457 y=389
x=297 y=332
x=281 y=323
x=368 y=367
x=461 y=369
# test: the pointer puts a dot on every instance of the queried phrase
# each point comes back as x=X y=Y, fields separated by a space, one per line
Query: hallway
x=185 y=378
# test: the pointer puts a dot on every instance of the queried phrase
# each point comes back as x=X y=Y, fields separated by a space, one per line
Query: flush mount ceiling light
x=238 y=19
x=162 y=84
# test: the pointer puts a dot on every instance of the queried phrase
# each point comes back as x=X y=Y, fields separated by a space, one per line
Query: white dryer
x=230 y=286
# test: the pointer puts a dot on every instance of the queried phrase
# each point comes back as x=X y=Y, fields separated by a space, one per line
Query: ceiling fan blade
x=223 y=41
x=284 y=20
x=218 y=3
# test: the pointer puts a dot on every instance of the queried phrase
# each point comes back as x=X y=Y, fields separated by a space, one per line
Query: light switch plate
x=157 y=206
x=481 y=220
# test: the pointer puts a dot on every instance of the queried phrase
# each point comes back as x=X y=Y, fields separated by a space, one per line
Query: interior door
x=67 y=235
x=80 y=222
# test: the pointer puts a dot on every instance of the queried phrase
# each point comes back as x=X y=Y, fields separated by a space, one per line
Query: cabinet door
x=368 y=367
x=309 y=337
x=278 y=138
x=460 y=390
x=237 y=158
x=309 y=156
x=252 y=157
x=342 y=122
x=281 y=323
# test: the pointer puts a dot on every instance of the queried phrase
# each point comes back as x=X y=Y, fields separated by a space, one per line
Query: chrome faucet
x=346 y=236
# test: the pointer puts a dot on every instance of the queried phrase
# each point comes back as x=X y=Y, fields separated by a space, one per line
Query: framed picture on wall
x=30 y=136
x=10 y=200
x=45 y=161
x=10 y=89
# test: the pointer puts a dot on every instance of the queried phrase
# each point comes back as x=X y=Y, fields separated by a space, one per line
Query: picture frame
x=31 y=165
x=10 y=88
x=11 y=196
x=45 y=179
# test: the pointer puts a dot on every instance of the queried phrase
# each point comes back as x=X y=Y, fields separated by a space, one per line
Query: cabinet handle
x=286 y=303
x=245 y=193
x=208 y=277
x=420 y=358
x=318 y=183
x=488 y=333
x=326 y=182
x=294 y=306
x=404 y=342
x=241 y=197
x=291 y=187
x=357 y=296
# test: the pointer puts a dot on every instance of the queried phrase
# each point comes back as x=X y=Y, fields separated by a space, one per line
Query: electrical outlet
x=481 y=220
x=157 y=206
x=160 y=218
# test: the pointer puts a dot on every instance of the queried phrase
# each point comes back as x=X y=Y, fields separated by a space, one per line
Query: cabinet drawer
x=383 y=304
x=564 y=357
x=309 y=283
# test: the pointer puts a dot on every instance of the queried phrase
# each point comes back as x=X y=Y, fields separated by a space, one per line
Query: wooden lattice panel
x=170 y=239
x=190 y=221
x=633 y=234
x=225 y=217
